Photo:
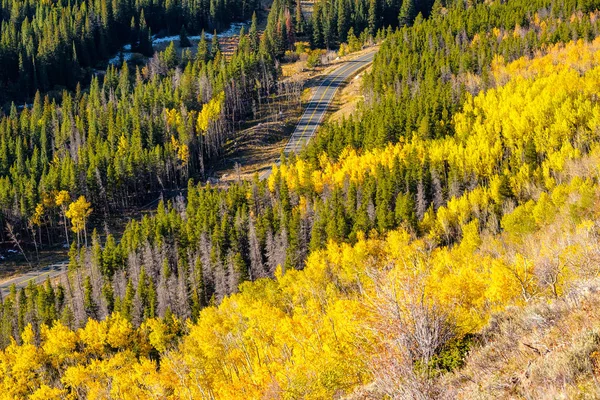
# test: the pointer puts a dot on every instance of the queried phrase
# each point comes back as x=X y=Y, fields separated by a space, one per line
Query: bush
x=314 y=59
x=302 y=47
x=290 y=56
x=452 y=355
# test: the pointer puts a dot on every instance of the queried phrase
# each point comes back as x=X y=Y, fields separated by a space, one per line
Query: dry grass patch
x=347 y=101
x=542 y=351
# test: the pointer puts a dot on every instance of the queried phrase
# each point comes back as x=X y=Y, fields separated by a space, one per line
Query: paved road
x=317 y=107
x=319 y=103
x=37 y=276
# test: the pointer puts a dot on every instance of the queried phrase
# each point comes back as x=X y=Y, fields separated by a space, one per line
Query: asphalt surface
x=37 y=276
x=317 y=107
x=319 y=103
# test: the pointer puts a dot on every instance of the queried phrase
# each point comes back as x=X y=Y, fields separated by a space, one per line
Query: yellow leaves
x=75 y=376
x=545 y=100
x=397 y=244
x=59 y=343
x=211 y=111
x=296 y=175
x=49 y=199
x=303 y=205
x=317 y=181
x=46 y=392
x=542 y=113
x=63 y=198
x=105 y=374
x=351 y=164
x=457 y=283
x=93 y=336
x=141 y=380
x=579 y=55
x=496 y=33
x=78 y=213
x=184 y=154
x=458 y=212
x=19 y=367
x=159 y=338
x=312 y=333
x=502 y=287
x=129 y=379
x=495 y=189
x=162 y=335
x=520 y=221
x=183 y=151
x=470 y=236
x=173 y=118
x=120 y=331
x=556 y=163
x=121 y=376
x=301 y=334
x=518 y=31
x=271 y=181
x=38 y=214
x=122 y=147
x=28 y=337
x=174 y=142
x=543 y=210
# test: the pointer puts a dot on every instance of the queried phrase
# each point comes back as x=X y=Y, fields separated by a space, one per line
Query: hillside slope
x=440 y=242
x=460 y=310
x=542 y=351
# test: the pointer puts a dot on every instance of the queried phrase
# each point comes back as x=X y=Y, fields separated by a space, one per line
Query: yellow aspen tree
x=63 y=199
x=45 y=392
x=78 y=213
x=210 y=112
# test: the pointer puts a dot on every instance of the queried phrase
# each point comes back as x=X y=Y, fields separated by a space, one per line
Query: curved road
x=305 y=130
x=36 y=276
x=317 y=107
x=319 y=103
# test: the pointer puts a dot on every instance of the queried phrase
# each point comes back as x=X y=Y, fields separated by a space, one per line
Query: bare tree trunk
x=66 y=229
x=35 y=244
x=13 y=238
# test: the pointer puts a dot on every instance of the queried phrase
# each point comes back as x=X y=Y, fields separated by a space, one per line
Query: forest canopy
x=372 y=264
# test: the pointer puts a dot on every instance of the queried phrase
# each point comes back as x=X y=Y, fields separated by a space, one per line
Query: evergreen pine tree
x=109 y=297
x=145 y=39
x=202 y=51
x=183 y=38
x=89 y=304
x=253 y=33
x=299 y=17
x=407 y=13
x=373 y=17
x=215 y=49
x=169 y=56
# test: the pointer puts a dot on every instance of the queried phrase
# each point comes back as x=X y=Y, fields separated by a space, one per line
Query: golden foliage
x=210 y=112
x=315 y=333
x=78 y=212
x=62 y=198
